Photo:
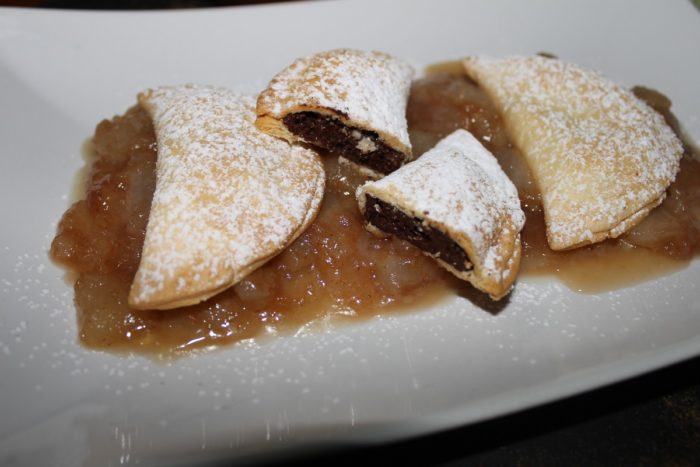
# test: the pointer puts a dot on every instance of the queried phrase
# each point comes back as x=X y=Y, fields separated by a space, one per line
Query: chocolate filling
x=391 y=220
x=360 y=146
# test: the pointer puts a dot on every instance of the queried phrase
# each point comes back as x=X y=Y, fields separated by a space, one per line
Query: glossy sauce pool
x=335 y=271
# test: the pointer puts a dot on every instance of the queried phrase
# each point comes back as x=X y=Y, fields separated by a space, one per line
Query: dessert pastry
x=601 y=157
x=350 y=102
x=227 y=197
x=458 y=206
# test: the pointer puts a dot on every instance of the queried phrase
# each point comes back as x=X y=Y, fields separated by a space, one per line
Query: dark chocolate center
x=360 y=146
x=392 y=220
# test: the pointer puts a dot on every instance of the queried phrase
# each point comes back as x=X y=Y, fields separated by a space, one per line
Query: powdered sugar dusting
x=227 y=196
x=459 y=187
x=601 y=157
x=370 y=89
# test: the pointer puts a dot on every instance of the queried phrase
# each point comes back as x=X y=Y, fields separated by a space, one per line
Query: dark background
x=649 y=420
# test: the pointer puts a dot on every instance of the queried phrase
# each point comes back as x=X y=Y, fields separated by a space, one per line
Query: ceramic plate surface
x=61 y=72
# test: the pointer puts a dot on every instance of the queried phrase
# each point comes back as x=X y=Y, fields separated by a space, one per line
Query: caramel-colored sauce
x=335 y=271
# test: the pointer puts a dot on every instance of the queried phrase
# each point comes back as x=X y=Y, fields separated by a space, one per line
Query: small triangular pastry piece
x=602 y=158
x=349 y=102
x=457 y=205
x=228 y=197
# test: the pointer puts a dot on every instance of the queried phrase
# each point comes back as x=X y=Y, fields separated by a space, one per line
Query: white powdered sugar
x=601 y=157
x=227 y=196
x=369 y=89
x=459 y=188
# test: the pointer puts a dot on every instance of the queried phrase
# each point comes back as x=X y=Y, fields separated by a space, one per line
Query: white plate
x=61 y=72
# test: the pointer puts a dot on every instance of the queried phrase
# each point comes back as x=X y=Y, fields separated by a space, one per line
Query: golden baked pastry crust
x=459 y=189
x=601 y=157
x=228 y=197
x=365 y=90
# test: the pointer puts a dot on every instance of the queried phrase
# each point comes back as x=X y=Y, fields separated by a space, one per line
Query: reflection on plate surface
x=451 y=364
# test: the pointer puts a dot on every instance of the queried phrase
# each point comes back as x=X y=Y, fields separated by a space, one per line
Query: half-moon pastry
x=228 y=197
x=457 y=205
x=349 y=102
x=601 y=157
